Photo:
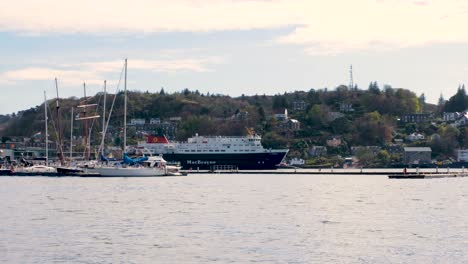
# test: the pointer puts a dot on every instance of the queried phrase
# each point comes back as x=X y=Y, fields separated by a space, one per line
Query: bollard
x=417 y=170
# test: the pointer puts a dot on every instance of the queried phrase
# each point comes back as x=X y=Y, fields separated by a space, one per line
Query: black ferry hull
x=244 y=161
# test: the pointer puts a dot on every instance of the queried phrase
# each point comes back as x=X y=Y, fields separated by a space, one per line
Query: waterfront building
x=417 y=155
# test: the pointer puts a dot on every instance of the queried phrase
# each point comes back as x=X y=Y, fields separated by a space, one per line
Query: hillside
x=357 y=117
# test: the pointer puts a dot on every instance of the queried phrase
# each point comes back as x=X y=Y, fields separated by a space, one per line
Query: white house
x=282 y=116
x=415 y=136
x=462 y=155
x=137 y=121
x=462 y=120
x=155 y=121
x=299 y=105
x=451 y=116
x=296 y=161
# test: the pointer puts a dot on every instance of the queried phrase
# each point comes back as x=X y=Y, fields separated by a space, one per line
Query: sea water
x=216 y=218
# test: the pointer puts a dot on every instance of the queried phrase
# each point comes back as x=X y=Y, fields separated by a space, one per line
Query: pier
x=400 y=172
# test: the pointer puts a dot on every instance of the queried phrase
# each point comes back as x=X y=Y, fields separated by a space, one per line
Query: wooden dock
x=427 y=176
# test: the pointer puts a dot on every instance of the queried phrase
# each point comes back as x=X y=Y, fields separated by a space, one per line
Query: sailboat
x=150 y=167
x=40 y=169
x=64 y=169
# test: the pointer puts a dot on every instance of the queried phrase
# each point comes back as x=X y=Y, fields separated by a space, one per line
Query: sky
x=231 y=47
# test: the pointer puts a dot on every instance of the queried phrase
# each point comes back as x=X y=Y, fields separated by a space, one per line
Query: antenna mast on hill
x=351 y=81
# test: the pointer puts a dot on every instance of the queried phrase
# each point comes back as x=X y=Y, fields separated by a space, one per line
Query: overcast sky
x=229 y=46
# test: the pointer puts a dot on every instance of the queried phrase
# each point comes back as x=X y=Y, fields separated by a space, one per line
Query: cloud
x=379 y=25
x=94 y=72
x=45 y=74
x=323 y=27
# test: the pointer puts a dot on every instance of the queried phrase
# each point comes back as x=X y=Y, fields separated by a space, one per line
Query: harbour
x=227 y=218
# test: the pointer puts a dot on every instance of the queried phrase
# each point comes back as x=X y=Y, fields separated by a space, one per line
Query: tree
x=316 y=116
x=458 y=102
x=365 y=157
x=374 y=88
x=422 y=101
x=280 y=101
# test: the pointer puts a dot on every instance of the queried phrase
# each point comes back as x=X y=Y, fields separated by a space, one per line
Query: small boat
x=152 y=167
x=35 y=170
x=39 y=169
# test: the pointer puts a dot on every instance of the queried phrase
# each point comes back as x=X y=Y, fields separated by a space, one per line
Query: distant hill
x=358 y=117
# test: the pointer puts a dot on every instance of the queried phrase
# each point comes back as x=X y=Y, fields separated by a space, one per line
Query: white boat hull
x=129 y=171
x=39 y=169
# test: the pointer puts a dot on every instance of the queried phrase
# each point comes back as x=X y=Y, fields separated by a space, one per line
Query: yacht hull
x=129 y=172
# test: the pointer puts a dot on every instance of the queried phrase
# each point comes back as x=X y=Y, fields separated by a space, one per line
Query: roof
x=417 y=149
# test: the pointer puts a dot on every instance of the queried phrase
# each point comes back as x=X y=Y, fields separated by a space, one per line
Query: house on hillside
x=282 y=116
x=334 y=142
x=346 y=107
x=239 y=116
x=462 y=120
x=415 y=137
x=290 y=124
x=317 y=151
x=299 y=105
x=462 y=155
x=155 y=121
x=451 y=116
x=137 y=121
x=415 y=118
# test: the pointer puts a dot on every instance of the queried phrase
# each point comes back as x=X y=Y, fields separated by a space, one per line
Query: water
x=233 y=219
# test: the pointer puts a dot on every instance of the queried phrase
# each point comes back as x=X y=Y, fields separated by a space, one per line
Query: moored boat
x=144 y=167
x=152 y=167
x=208 y=153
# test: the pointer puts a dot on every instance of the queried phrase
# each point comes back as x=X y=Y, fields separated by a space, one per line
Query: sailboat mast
x=125 y=110
x=85 y=126
x=59 y=127
x=103 y=119
x=46 y=133
x=71 y=135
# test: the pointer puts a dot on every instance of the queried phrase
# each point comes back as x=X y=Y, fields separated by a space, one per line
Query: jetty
x=391 y=173
x=427 y=176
